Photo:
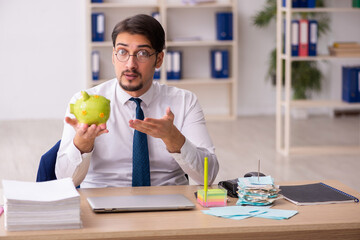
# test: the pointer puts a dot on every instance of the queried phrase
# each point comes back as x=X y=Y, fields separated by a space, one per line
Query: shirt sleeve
x=70 y=162
x=197 y=146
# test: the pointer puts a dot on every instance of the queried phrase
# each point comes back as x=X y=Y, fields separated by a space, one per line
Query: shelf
x=200 y=5
x=284 y=103
x=323 y=150
x=101 y=44
x=316 y=58
x=321 y=103
x=319 y=10
x=97 y=82
x=199 y=81
x=121 y=5
x=173 y=11
x=199 y=43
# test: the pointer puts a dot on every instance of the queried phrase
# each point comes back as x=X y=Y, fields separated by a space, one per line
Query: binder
x=295 y=37
x=169 y=67
x=95 y=65
x=351 y=84
x=295 y=3
x=157 y=74
x=311 y=3
x=316 y=193
x=224 y=26
x=156 y=15
x=176 y=67
x=303 y=3
x=96 y=1
x=98 y=27
x=303 y=37
x=220 y=64
x=313 y=37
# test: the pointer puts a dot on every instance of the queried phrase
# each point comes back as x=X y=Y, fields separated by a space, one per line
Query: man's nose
x=131 y=62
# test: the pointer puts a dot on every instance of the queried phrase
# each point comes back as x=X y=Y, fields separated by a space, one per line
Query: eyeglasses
x=142 y=55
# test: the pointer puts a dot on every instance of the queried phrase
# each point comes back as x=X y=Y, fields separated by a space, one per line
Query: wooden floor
x=239 y=145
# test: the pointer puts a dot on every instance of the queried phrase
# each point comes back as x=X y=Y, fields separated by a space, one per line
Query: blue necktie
x=141 y=168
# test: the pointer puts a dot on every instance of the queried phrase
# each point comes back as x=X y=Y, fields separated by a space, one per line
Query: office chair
x=46 y=171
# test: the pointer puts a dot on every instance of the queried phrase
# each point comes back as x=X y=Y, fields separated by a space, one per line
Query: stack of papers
x=257 y=191
x=41 y=205
x=240 y=212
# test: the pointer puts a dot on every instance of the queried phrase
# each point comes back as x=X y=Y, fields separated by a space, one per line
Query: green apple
x=91 y=109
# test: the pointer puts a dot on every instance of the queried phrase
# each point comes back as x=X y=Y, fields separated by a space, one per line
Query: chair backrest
x=46 y=171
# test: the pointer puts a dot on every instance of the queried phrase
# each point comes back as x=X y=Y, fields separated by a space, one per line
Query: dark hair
x=144 y=25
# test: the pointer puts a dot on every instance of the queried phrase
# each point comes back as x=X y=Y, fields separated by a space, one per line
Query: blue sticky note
x=277 y=214
x=267 y=180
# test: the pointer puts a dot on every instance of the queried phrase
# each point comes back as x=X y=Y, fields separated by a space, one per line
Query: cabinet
x=284 y=102
x=181 y=22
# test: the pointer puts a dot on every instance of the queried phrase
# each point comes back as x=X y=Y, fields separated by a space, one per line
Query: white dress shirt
x=110 y=162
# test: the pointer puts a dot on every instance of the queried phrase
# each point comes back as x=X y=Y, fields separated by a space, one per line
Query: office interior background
x=43 y=63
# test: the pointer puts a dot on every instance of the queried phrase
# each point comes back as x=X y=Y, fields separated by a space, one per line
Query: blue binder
x=295 y=3
x=303 y=3
x=176 y=65
x=169 y=72
x=224 y=26
x=311 y=3
x=295 y=25
x=98 y=27
x=313 y=37
x=95 y=65
x=350 y=84
x=157 y=74
x=220 y=64
x=96 y=1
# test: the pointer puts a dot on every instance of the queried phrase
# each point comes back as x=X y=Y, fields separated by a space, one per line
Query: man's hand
x=163 y=128
x=85 y=135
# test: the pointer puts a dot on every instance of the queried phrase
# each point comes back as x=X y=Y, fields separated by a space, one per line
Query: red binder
x=304 y=38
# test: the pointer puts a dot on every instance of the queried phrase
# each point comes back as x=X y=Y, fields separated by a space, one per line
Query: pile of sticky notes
x=212 y=197
x=242 y=212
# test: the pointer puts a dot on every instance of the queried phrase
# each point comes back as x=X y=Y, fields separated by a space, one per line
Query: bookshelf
x=218 y=97
x=284 y=102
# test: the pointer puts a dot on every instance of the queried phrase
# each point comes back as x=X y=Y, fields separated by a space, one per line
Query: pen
x=205 y=178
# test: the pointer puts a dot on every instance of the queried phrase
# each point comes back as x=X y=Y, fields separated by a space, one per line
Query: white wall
x=42 y=57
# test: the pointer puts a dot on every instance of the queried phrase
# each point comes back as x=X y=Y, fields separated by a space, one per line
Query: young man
x=174 y=127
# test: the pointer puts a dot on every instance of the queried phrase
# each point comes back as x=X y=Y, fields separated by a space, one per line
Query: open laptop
x=135 y=203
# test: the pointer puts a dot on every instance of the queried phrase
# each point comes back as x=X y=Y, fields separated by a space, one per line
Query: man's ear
x=159 y=59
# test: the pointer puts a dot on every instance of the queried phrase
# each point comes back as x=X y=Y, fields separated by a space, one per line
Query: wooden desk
x=332 y=221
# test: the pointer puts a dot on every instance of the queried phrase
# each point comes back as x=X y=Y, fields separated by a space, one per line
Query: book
x=316 y=193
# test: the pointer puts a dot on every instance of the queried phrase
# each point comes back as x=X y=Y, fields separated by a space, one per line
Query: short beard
x=131 y=88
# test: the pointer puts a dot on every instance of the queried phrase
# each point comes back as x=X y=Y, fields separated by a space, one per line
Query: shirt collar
x=123 y=96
